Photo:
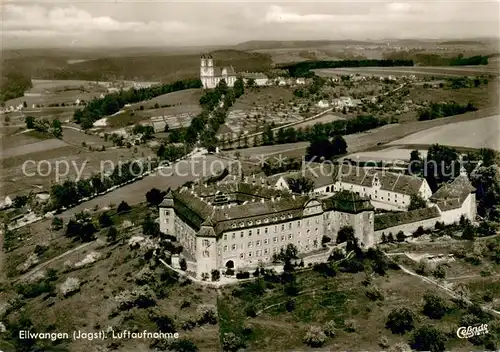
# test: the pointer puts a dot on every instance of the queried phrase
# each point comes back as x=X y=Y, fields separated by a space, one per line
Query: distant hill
x=462 y=42
x=276 y=44
x=150 y=67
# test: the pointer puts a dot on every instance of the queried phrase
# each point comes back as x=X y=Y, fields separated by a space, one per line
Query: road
x=134 y=193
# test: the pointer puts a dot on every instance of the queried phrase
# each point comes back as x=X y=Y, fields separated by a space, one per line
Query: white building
x=386 y=190
x=259 y=78
x=240 y=226
x=210 y=75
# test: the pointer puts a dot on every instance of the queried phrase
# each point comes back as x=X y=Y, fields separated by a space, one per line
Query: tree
x=440 y=272
x=30 y=122
x=339 y=145
x=301 y=185
x=239 y=87
x=231 y=342
x=415 y=165
x=57 y=223
x=400 y=236
x=315 y=337
x=183 y=345
x=154 y=196
x=25 y=105
x=346 y=234
x=112 y=234
x=319 y=148
x=105 y=220
x=400 y=320
x=57 y=128
x=442 y=165
x=250 y=83
x=268 y=135
x=434 y=306
x=123 y=207
x=215 y=275
x=428 y=338
x=390 y=238
x=150 y=227
x=417 y=202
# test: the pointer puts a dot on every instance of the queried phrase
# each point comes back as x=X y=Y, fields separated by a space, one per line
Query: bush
x=243 y=275
x=383 y=342
x=123 y=207
x=428 y=338
x=183 y=345
x=290 y=304
x=251 y=311
x=400 y=320
x=231 y=342
x=350 y=325
x=422 y=269
x=440 y=272
x=183 y=264
x=374 y=294
x=215 y=275
x=329 y=328
x=315 y=337
x=326 y=269
x=434 y=306
x=400 y=236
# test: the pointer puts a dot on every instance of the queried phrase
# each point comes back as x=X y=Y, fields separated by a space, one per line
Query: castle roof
x=250 y=205
x=387 y=220
x=326 y=174
x=459 y=188
x=347 y=202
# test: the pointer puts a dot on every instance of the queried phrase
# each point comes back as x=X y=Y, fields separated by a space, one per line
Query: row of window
x=266 y=229
x=265 y=251
x=259 y=243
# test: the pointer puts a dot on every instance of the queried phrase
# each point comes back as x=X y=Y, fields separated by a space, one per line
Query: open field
x=171 y=177
x=323 y=119
x=483 y=133
x=416 y=70
x=183 y=97
x=40 y=146
x=263 y=96
x=14 y=180
x=370 y=139
x=388 y=154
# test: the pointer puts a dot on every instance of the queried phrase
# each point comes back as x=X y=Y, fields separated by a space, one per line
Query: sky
x=165 y=23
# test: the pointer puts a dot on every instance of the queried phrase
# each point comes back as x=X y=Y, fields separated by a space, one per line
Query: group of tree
x=112 y=103
x=146 y=131
x=303 y=69
x=70 y=193
x=438 y=110
x=81 y=227
x=43 y=125
x=426 y=59
x=466 y=82
x=301 y=185
x=319 y=131
x=13 y=84
x=323 y=148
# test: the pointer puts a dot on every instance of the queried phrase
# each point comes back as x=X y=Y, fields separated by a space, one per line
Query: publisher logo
x=466 y=332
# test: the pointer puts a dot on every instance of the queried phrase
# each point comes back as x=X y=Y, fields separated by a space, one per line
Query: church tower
x=207 y=71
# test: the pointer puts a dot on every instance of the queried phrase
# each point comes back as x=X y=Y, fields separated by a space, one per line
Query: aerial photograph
x=233 y=176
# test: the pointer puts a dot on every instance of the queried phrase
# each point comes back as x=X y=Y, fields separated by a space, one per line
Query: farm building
x=259 y=78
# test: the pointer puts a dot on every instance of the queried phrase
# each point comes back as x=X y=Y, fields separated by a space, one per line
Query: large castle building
x=238 y=225
x=210 y=75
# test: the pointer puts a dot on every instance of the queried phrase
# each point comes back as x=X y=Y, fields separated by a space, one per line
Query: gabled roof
x=384 y=221
x=459 y=189
x=347 y=202
x=168 y=200
x=389 y=181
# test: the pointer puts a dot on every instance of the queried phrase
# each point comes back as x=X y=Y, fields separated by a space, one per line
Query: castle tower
x=210 y=65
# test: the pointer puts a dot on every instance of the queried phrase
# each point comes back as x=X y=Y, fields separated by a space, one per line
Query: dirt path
x=448 y=291
x=44 y=264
